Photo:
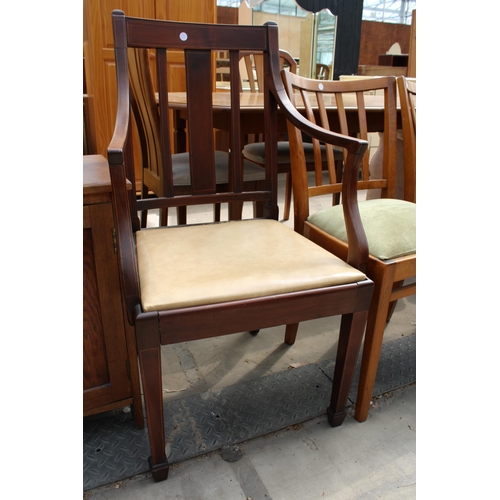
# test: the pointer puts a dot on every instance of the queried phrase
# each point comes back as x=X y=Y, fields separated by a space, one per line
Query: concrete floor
x=376 y=459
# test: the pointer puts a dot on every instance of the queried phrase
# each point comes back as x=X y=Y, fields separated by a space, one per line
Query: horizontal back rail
x=184 y=36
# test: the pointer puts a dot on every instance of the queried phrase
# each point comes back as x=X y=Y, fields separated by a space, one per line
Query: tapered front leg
x=352 y=327
x=291 y=333
x=150 y=361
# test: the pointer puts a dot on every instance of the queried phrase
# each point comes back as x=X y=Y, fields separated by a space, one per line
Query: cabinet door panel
x=95 y=366
x=105 y=376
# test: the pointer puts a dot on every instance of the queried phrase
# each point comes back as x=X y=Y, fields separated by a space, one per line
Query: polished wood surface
x=237 y=311
x=253 y=102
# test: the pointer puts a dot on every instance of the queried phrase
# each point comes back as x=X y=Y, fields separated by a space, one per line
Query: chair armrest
x=356 y=148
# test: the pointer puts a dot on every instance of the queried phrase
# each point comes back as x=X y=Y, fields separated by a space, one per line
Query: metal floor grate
x=113 y=449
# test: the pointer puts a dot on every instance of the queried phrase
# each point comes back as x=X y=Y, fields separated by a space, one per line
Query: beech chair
x=322 y=71
x=255 y=151
x=389 y=223
x=195 y=281
x=147 y=119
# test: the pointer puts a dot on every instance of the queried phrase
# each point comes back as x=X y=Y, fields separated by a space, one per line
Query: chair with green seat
x=389 y=223
x=199 y=281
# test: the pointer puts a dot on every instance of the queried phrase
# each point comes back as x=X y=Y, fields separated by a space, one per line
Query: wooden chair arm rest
x=356 y=148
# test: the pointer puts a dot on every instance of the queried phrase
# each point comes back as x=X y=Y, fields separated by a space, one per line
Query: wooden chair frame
x=388 y=275
x=155 y=328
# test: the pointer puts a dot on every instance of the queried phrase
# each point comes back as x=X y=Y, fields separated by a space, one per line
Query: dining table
x=252 y=116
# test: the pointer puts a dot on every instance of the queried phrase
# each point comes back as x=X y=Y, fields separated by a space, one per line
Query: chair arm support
x=356 y=148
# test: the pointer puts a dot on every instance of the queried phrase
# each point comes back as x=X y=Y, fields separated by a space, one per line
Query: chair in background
x=190 y=282
x=389 y=223
x=254 y=66
x=255 y=151
x=147 y=119
x=322 y=71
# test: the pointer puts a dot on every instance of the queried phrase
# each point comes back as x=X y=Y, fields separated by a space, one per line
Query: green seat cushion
x=390 y=226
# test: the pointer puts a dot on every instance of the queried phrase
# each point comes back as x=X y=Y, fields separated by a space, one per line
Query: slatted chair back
x=348 y=97
x=199 y=47
x=254 y=65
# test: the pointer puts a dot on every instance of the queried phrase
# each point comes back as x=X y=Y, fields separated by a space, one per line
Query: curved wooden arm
x=356 y=148
x=118 y=141
x=118 y=155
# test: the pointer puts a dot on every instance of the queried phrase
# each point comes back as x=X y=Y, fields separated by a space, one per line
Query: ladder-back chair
x=197 y=281
x=389 y=223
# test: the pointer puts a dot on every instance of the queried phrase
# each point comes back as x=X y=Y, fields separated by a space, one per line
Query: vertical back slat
x=161 y=71
x=235 y=163
x=200 y=120
x=271 y=60
x=390 y=141
x=363 y=133
x=330 y=159
x=145 y=110
x=318 y=160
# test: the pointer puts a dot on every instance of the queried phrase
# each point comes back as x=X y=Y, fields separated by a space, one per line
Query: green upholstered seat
x=390 y=226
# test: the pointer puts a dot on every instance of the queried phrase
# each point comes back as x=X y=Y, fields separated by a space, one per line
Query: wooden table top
x=255 y=101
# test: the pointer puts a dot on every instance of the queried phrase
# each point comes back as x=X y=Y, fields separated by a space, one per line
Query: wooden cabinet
x=110 y=370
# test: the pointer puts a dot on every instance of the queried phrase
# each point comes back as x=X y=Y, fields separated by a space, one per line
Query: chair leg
x=144 y=213
x=374 y=335
x=217 y=212
x=144 y=218
x=291 y=333
x=163 y=217
x=352 y=327
x=235 y=210
x=150 y=364
x=288 y=196
x=181 y=215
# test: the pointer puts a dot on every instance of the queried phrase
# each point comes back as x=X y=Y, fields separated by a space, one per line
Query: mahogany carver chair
x=147 y=119
x=255 y=151
x=195 y=281
x=389 y=223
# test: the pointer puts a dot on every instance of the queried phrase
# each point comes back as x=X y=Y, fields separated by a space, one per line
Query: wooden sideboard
x=110 y=369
